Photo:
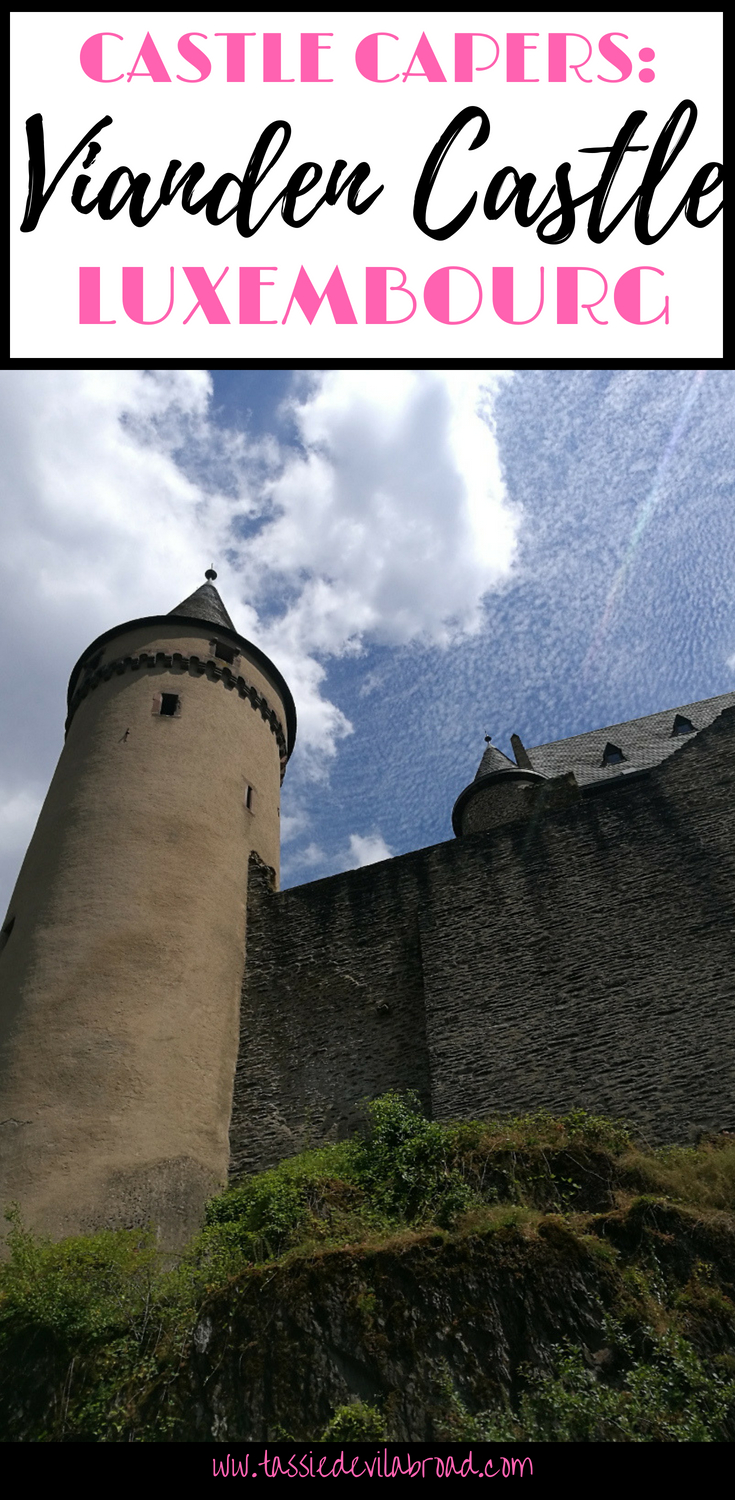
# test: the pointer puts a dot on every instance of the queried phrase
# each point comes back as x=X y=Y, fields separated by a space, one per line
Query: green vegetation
x=100 y=1338
x=667 y=1397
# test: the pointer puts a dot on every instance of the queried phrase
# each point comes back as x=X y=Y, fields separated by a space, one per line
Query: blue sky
x=427 y=557
x=621 y=601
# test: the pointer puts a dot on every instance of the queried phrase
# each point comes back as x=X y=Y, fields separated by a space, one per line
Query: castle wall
x=587 y=959
x=332 y=1009
x=584 y=958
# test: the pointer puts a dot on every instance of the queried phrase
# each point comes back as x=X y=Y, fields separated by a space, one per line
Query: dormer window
x=682 y=726
x=612 y=755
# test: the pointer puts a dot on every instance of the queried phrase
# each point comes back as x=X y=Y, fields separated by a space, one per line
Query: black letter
x=698 y=189
x=433 y=163
x=657 y=168
x=353 y=183
x=37 y=199
x=251 y=180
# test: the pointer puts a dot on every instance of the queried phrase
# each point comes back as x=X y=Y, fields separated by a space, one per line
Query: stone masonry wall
x=332 y=1010
x=584 y=958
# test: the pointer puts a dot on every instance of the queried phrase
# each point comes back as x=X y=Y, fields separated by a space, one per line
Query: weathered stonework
x=580 y=955
x=572 y=947
x=196 y=666
x=124 y=944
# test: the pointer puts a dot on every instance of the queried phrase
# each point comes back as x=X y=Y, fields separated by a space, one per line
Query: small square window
x=225 y=653
x=169 y=704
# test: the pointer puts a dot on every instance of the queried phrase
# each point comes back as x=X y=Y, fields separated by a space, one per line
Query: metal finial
x=488 y=739
x=210 y=574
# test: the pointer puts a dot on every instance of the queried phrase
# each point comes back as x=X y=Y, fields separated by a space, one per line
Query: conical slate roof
x=204 y=604
x=494 y=760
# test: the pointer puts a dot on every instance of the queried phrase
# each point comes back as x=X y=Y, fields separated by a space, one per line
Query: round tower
x=123 y=948
x=500 y=793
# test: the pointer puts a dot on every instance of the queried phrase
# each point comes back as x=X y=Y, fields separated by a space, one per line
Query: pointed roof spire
x=205 y=604
x=494 y=773
x=493 y=760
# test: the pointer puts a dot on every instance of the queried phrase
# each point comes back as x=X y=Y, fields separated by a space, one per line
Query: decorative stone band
x=196 y=667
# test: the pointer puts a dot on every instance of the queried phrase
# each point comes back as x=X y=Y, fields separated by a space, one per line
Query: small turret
x=500 y=793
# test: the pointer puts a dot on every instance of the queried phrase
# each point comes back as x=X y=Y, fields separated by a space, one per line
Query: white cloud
x=367 y=851
x=311 y=855
x=386 y=521
x=394 y=517
x=314 y=861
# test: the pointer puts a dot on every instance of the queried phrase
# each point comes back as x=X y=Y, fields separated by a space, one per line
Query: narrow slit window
x=249 y=797
x=612 y=755
x=170 y=704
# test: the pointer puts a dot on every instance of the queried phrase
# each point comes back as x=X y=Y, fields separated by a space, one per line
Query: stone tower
x=123 y=946
x=500 y=793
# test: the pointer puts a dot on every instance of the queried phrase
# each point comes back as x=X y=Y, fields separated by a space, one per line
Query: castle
x=573 y=946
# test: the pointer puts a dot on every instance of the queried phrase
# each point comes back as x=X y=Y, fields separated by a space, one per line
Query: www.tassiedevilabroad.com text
x=381 y=1465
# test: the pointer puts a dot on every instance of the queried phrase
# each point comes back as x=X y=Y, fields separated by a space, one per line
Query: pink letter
x=516 y=57
x=150 y=57
x=436 y=295
x=558 y=57
x=250 y=284
x=201 y=284
x=376 y=294
x=132 y=294
x=503 y=295
x=195 y=56
x=366 y=57
x=89 y=296
x=464 y=65
x=335 y=292
x=235 y=54
x=627 y=296
x=567 y=293
x=310 y=49
x=614 y=55
x=429 y=64
x=272 y=58
x=90 y=57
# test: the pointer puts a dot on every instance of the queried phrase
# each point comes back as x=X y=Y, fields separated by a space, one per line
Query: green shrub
x=408 y=1164
x=84 y=1288
x=667 y=1397
x=356 y=1423
x=95 y=1330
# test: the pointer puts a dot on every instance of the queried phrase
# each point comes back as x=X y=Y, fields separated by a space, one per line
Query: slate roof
x=644 y=743
x=204 y=604
x=494 y=760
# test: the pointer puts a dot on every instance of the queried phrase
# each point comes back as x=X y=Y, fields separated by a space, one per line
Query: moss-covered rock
x=505 y=1278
